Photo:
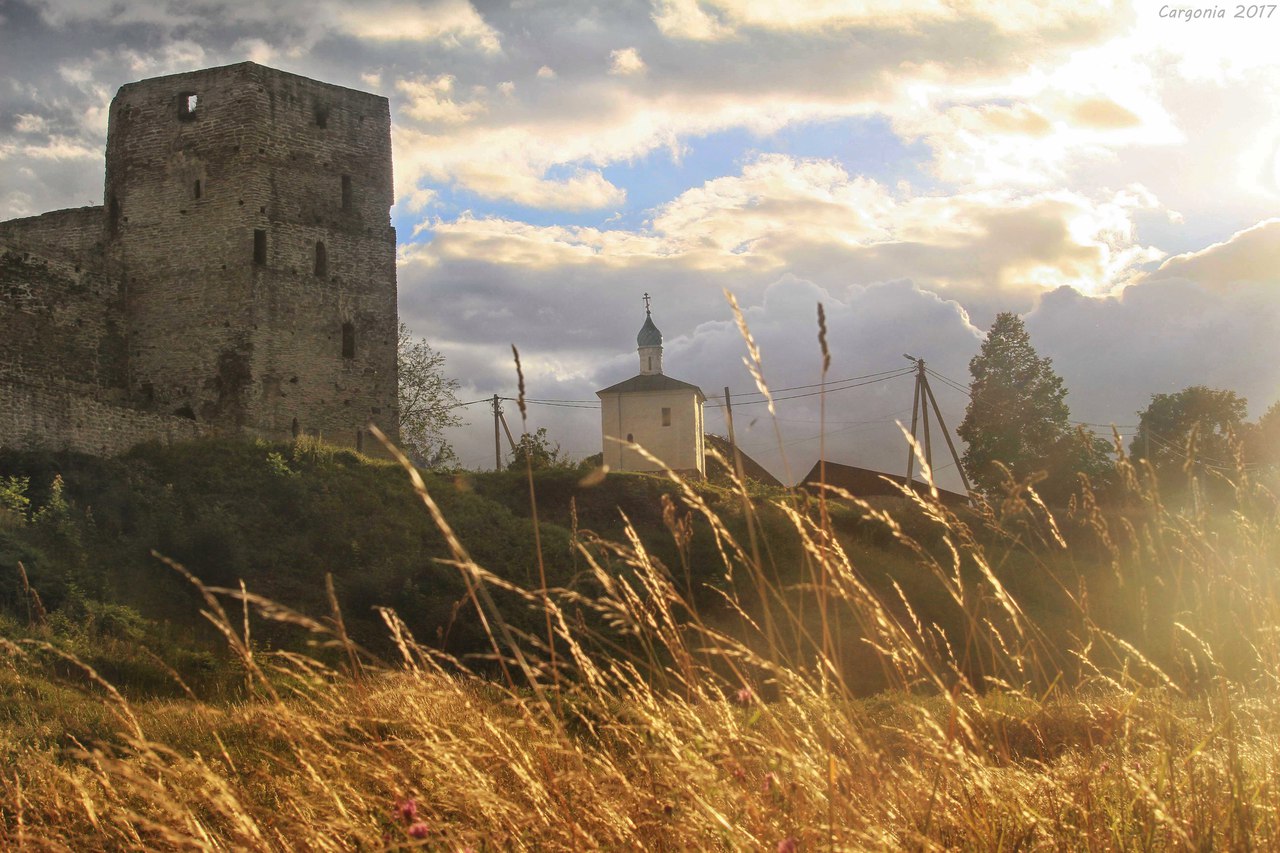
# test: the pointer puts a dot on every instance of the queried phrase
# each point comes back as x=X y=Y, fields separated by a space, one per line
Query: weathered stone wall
x=240 y=275
x=243 y=329
x=43 y=414
x=75 y=233
x=60 y=321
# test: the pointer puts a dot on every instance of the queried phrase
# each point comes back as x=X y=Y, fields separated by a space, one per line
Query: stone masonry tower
x=247 y=224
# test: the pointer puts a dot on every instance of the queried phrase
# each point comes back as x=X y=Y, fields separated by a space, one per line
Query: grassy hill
x=280 y=518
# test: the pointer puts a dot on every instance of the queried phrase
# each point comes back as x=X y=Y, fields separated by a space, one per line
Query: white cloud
x=430 y=101
x=28 y=123
x=808 y=215
x=501 y=171
x=718 y=19
x=451 y=23
x=446 y=23
x=1251 y=256
x=688 y=20
x=626 y=61
x=791 y=71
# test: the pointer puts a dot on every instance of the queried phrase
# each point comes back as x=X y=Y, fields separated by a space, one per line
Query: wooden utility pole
x=510 y=440
x=920 y=405
x=497 y=440
x=733 y=444
x=947 y=435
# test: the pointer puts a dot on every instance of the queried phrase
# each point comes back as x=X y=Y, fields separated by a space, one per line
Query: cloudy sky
x=1110 y=171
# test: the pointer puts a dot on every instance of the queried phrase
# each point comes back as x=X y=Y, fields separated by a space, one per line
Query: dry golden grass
x=668 y=732
x=696 y=740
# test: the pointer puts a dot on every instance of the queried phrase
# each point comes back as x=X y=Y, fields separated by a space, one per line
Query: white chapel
x=661 y=414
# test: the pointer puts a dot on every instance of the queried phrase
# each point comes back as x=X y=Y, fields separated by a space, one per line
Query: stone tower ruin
x=242 y=267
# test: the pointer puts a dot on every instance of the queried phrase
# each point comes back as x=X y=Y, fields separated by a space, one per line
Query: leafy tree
x=1018 y=417
x=1262 y=440
x=542 y=454
x=428 y=403
x=1166 y=425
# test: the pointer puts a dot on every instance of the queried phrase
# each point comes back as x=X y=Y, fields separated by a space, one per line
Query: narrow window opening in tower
x=188 y=102
x=348 y=340
x=322 y=115
x=259 y=246
x=346 y=192
x=113 y=216
x=197 y=190
x=666 y=416
x=359 y=441
x=294 y=428
x=322 y=260
x=631 y=437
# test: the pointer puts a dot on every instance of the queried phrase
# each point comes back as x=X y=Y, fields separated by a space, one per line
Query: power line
x=829 y=384
x=891 y=416
x=965 y=390
x=829 y=390
x=823 y=388
x=1207 y=461
x=553 y=403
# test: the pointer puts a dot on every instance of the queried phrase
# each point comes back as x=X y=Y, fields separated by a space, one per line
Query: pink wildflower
x=407 y=809
x=419 y=830
x=788 y=845
x=745 y=695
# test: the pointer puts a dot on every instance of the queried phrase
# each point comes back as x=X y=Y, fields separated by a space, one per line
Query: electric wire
x=827 y=388
x=953 y=384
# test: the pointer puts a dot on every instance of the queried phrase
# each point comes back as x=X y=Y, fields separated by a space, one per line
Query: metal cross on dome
x=646 y=302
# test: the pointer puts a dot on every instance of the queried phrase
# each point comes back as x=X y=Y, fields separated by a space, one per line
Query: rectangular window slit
x=187 y=104
x=196 y=190
x=322 y=260
x=346 y=192
x=666 y=416
x=259 y=246
x=348 y=340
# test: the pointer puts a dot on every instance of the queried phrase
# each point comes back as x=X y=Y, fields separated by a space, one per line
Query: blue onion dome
x=649 y=335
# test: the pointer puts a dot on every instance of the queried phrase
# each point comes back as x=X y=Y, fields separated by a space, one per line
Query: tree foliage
x=1197 y=421
x=539 y=450
x=1017 y=417
x=1262 y=440
x=428 y=403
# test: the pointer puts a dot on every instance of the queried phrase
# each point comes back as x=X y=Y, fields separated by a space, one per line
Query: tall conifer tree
x=1018 y=416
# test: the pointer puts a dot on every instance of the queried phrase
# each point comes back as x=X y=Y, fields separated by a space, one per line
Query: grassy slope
x=282 y=518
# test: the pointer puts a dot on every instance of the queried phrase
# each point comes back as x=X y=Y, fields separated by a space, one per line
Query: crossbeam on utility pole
x=922 y=401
